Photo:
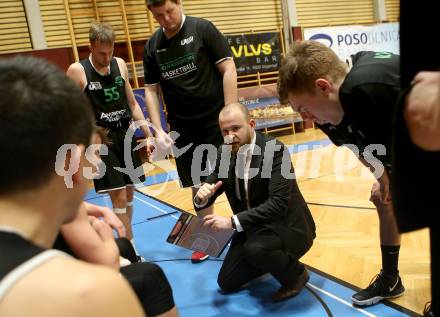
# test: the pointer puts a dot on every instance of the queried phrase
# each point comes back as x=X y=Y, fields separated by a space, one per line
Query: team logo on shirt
x=119 y=81
x=383 y=55
x=112 y=116
x=95 y=85
x=187 y=40
x=178 y=67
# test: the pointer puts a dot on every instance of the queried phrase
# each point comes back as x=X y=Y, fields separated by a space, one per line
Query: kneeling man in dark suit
x=274 y=227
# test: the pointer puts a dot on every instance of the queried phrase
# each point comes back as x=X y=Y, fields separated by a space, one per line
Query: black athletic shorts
x=195 y=159
x=151 y=287
x=146 y=279
x=114 y=179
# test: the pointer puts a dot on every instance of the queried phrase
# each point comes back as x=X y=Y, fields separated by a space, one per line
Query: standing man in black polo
x=190 y=62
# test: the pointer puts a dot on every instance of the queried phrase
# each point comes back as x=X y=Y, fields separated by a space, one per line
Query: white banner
x=349 y=39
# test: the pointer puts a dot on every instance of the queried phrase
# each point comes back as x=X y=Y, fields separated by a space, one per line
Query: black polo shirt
x=185 y=67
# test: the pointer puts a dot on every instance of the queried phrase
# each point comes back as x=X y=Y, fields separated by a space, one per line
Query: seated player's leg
x=152 y=288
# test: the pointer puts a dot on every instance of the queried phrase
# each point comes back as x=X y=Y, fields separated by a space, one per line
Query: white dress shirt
x=247 y=151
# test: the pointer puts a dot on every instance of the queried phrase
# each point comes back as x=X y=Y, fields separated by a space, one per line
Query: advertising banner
x=139 y=94
x=255 y=52
x=350 y=39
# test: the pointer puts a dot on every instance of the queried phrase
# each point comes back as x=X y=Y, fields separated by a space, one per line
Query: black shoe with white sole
x=427 y=311
x=381 y=287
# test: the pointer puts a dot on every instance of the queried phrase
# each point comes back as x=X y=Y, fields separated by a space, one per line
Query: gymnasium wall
x=229 y=16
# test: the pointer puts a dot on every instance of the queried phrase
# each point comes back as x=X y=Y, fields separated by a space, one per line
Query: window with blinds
x=393 y=10
x=14 y=32
x=228 y=16
x=312 y=13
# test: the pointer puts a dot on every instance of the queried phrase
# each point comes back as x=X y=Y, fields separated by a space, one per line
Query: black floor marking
x=320 y=300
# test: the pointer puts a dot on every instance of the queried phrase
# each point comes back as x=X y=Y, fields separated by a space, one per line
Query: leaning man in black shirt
x=353 y=106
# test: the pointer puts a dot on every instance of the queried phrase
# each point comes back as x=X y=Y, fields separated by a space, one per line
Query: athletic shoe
x=427 y=311
x=381 y=287
x=198 y=257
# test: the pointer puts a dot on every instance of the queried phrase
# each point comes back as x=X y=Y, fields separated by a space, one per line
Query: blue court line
x=139 y=202
x=307 y=146
x=195 y=289
x=161 y=178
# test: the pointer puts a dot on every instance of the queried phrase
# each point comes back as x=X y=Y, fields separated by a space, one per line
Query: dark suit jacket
x=276 y=202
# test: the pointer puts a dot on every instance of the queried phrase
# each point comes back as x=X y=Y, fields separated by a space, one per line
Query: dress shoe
x=292 y=289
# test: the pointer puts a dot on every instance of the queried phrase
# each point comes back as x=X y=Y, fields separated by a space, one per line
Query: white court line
x=341 y=300
x=155 y=207
x=106 y=200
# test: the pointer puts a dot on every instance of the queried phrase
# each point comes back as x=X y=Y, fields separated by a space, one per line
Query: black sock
x=300 y=268
x=390 y=259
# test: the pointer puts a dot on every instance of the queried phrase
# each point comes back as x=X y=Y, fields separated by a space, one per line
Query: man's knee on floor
x=227 y=285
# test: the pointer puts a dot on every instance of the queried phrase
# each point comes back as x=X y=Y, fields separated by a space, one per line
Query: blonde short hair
x=101 y=32
x=304 y=63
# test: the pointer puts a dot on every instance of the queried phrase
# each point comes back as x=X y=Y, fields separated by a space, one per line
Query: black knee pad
x=151 y=286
